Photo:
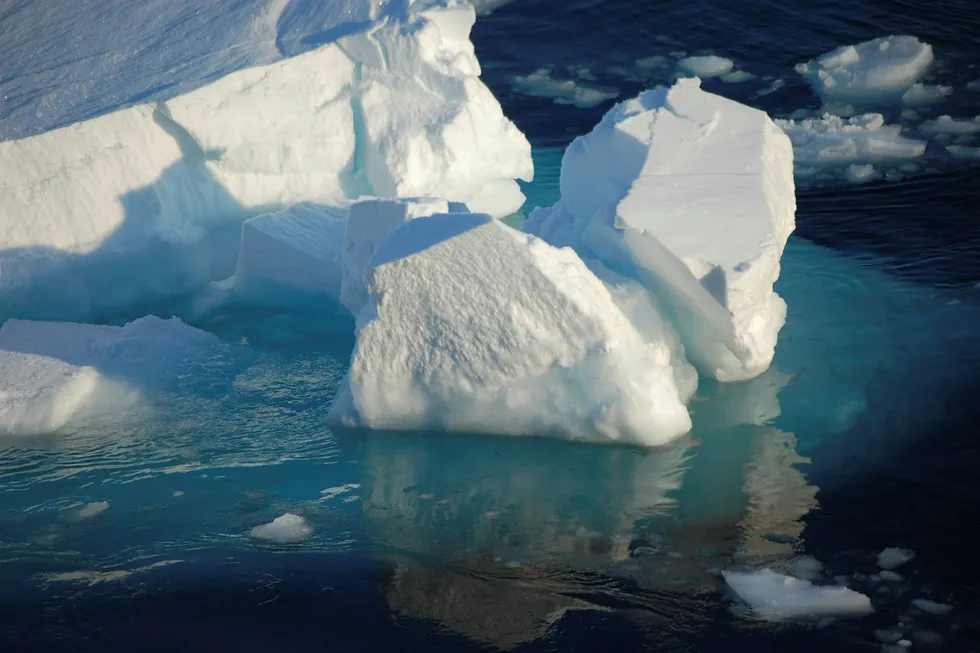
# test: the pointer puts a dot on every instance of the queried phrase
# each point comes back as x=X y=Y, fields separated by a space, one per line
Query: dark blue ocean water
x=864 y=434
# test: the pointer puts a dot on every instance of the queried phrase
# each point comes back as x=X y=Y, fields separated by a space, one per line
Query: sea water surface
x=862 y=435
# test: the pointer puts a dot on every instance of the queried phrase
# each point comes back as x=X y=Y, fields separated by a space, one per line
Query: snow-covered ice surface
x=774 y=596
x=56 y=373
x=875 y=72
x=369 y=223
x=691 y=195
x=392 y=107
x=474 y=326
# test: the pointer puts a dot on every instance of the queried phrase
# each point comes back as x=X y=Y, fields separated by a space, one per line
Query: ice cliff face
x=393 y=108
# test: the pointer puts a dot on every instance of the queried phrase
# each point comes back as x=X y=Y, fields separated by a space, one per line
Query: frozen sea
x=863 y=434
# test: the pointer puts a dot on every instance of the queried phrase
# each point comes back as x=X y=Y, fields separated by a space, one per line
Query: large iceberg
x=474 y=326
x=55 y=373
x=692 y=195
x=393 y=108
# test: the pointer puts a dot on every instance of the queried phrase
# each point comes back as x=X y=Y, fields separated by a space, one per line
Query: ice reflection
x=497 y=538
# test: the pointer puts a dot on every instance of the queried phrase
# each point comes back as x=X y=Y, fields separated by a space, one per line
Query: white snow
x=55 y=373
x=892 y=557
x=948 y=125
x=846 y=146
x=473 y=326
x=776 y=597
x=543 y=83
x=285 y=529
x=369 y=223
x=932 y=607
x=291 y=257
x=705 y=66
x=875 y=72
x=395 y=108
x=692 y=195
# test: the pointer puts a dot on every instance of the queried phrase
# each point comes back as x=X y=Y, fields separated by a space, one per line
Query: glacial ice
x=291 y=257
x=776 y=597
x=55 y=373
x=705 y=66
x=368 y=224
x=395 y=109
x=473 y=326
x=692 y=195
x=875 y=72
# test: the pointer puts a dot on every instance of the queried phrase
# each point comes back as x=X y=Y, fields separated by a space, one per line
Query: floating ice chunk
x=888 y=636
x=948 y=125
x=291 y=257
x=705 y=66
x=286 y=529
x=892 y=557
x=932 y=607
x=692 y=195
x=541 y=83
x=161 y=191
x=369 y=223
x=91 y=510
x=964 y=151
x=974 y=85
x=890 y=576
x=846 y=146
x=777 y=597
x=925 y=94
x=473 y=326
x=58 y=372
x=879 y=71
x=737 y=77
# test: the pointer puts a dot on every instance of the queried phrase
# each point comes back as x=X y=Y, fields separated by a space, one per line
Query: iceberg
x=393 y=108
x=285 y=529
x=691 y=195
x=291 y=257
x=55 y=373
x=874 y=72
x=776 y=597
x=473 y=326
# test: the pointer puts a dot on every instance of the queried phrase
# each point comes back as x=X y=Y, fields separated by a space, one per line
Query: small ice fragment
x=178 y=493
x=910 y=114
x=974 y=85
x=93 y=509
x=675 y=554
x=859 y=174
x=286 y=529
x=491 y=514
x=737 y=77
x=775 y=597
x=513 y=564
x=705 y=67
x=427 y=497
x=964 y=151
x=932 y=607
x=643 y=551
x=892 y=557
x=924 y=94
x=890 y=576
x=874 y=578
x=888 y=636
x=586 y=533
x=904 y=643
x=948 y=125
